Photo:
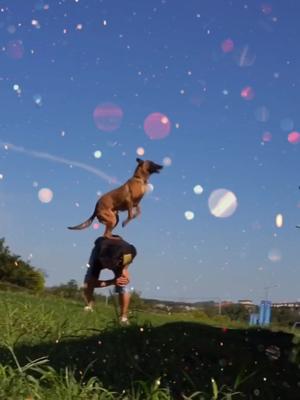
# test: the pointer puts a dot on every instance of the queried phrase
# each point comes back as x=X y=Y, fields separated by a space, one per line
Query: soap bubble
x=189 y=215
x=108 y=117
x=222 y=203
x=45 y=195
x=198 y=189
x=157 y=126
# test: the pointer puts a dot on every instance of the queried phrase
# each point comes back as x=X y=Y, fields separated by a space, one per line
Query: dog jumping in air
x=124 y=198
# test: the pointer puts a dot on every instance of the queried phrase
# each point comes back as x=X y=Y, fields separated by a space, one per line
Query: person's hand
x=122 y=280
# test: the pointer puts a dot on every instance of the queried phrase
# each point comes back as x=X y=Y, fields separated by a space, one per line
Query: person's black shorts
x=111 y=254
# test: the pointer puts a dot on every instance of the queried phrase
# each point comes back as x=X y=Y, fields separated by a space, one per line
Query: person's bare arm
x=124 y=278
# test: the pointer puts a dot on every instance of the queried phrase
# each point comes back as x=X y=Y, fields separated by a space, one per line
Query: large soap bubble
x=222 y=203
x=108 y=117
x=157 y=126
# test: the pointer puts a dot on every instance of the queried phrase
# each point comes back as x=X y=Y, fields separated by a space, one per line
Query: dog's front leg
x=129 y=217
x=137 y=211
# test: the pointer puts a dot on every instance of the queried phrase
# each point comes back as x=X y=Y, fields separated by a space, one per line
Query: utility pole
x=267 y=288
x=220 y=306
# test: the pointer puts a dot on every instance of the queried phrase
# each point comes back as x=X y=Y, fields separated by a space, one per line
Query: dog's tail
x=84 y=224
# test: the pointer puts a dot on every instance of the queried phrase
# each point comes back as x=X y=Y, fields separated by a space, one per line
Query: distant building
x=290 y=305
x=225 y=303
x=247 y=303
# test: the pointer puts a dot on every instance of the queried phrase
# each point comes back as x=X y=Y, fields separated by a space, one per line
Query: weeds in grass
x=223 y=392
x=143 y=390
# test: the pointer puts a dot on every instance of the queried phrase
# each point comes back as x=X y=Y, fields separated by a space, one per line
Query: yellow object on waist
x=127 y=259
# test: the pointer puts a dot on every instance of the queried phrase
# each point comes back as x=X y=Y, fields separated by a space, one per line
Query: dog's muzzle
x=156 y=168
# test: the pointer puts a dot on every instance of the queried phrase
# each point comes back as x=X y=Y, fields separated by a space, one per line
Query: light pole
x=267 y=288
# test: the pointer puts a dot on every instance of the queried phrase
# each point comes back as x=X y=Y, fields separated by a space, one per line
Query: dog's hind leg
x=110 y=219
x=108 y=231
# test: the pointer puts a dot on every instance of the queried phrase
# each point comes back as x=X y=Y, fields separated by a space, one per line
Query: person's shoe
x=88 y=309
x=124 y=321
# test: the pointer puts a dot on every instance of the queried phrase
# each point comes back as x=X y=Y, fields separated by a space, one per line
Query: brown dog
x=125 y=197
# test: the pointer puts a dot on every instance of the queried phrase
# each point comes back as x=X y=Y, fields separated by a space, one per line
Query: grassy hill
x=79 y=355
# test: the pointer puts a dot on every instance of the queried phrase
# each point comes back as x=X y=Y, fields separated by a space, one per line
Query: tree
x=136 y=301
x=69 y=290
x=236 y=312
x=18 y=272
x=285 y=316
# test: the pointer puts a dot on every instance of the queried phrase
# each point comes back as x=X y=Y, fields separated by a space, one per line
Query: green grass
x=33 y=319
x=50 y=348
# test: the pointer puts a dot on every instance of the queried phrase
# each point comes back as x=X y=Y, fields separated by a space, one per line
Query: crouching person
x=116 y=255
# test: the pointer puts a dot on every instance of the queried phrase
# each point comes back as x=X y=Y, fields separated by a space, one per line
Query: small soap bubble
x=267 y=136
x=279 y=220
x=274 y=255
x=198 y=189
x=38 y=100
x=227 y=45
x=189 y=215
x=35 y=23
x=167 y=161
x=97 y=154
x=140 y=151
x=247 y=93
x=294 y=137
x=45 y=195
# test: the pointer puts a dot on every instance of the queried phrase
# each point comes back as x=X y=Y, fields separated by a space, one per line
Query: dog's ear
x=139 y=161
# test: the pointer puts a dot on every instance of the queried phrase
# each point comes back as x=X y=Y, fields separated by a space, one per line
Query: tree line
x=16 y=272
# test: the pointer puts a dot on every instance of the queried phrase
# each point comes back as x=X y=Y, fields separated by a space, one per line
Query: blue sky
x=222 y=74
